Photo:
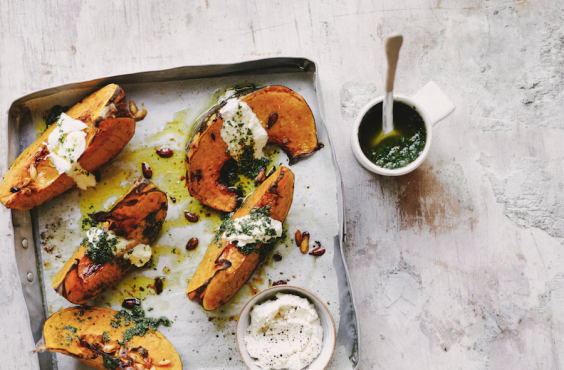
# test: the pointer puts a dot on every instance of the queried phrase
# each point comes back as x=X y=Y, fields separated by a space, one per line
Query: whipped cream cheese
x=252 y=229
x=66 y=143
x=241 y=128
x=139 y=255
x=95 y=235
x=285 y=333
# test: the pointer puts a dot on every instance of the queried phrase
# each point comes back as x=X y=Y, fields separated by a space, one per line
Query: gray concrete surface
x=458 y=265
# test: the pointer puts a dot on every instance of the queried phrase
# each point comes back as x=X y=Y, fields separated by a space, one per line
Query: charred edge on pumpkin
x=61 y=288
x=142 y=187
x=198 y=175
x=90 y=269
x=115 y=223
x=122 y=104
x=117 y=97
x=152 y=232
x=98 y=289
x=38 y=156
x=198 y=293
x=219 y=261
x=238 y=202
x=203 y=123
x=97 y=352
x=273 y=189
x=293 y=160
x=131 y=203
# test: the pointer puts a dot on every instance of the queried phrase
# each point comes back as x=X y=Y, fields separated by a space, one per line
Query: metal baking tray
x=27 y=238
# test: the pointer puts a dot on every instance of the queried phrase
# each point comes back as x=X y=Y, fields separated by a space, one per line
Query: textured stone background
x=458 y=265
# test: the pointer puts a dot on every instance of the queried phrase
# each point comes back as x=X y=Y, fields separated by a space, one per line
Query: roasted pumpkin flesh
x=90 y=334
x=288 y=121
x=137 y=216
x=224 y=269
x=33 y=180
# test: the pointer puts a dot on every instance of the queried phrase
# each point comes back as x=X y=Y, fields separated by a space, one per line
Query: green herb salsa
x=398 y=150
x=142 y=324
x=101 y=251
x=137 y=325
x=257 y=215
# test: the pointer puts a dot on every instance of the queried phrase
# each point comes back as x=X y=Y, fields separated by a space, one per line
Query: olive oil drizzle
x=395 y=151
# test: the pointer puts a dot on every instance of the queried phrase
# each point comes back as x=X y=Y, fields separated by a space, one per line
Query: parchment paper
x=203 y=339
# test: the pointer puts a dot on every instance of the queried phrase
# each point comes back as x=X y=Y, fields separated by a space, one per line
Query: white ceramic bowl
x=327 y=323
x=370 y=166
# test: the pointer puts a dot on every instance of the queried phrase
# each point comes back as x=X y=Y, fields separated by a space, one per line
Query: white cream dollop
x=285 y=333
x=74 y=145
x=66 y=143
x=245 y=230
x=139 y=255
x=94 y=234
x=82 y=178
x=241 y=128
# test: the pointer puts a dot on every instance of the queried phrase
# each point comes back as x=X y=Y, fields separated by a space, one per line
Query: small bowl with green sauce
x=396 y=154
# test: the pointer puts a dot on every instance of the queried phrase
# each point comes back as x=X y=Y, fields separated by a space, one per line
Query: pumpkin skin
x=294 y=131
x=85 y=340
x=138 y=216
x=110 y=127
x=224 y=269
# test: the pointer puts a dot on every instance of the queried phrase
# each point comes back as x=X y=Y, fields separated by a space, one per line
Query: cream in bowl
x=283 y=327
x=285 y=333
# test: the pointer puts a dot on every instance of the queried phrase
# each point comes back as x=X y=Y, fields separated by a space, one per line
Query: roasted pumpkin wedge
x=137 y=217
x=285 y=116
x=98 y=338
x=225 y=268
x=32 y=180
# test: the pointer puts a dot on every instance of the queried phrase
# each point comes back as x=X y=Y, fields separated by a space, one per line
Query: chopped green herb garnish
x=142 y=324
x=249 y=166
x=71 y=329
x=111 y=363
x=258 y=219
x=101 y=250
x=401 y=153
x=87 y=222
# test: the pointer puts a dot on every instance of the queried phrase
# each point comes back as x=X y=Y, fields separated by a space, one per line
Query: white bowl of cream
x=297 y=330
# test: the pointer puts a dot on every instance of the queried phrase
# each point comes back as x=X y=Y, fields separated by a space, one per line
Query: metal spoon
x=393 y=45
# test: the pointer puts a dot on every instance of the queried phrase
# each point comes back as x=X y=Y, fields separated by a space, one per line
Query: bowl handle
x=434 y=102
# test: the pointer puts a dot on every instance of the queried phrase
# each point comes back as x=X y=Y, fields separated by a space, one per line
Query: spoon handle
x=388 y=113
x=393 y=45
